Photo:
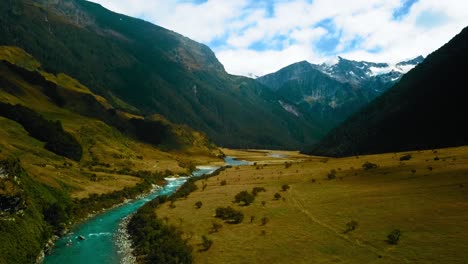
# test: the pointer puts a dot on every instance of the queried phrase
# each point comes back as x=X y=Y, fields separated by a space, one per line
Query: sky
x=256 y=37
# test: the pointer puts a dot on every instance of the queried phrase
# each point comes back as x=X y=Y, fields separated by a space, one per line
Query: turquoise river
x=100 y=233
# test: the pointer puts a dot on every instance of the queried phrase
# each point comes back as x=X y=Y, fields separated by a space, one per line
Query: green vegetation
x=206 y=244
x=147 y=230
x=229 y=214
x=277 y=196
x=244 y=197
x=369 y=165
x=163 y=64
x=394 y=236
x=405 y=157
x=57 y=140
x=256 y=190
x=351 y=226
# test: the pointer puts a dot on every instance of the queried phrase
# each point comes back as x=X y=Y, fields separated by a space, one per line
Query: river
x=100 y=231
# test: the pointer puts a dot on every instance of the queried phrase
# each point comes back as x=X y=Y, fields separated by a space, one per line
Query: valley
x=424 y=195
x=122 y=141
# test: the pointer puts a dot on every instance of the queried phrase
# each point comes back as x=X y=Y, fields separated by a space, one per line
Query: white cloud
x=250 y=39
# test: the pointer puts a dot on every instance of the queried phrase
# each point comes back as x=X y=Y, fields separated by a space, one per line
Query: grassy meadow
x=425 y=197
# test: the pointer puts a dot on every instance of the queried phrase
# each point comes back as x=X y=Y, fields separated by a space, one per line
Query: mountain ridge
x=402 y=119
x=145 y=69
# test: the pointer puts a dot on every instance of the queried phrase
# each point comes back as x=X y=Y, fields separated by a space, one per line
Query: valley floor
x=426 y=197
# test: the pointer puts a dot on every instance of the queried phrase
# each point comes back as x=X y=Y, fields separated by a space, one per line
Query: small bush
x=287 y=165
x=331 y=175
x=198 y=204
x=265 y=220
x=244 y=197
x=256 y=190
x=351 y=226
x=369 y=165
x=206 y=243
x=285 y=187
x=394 y=237
x=405 y=157
x=277 y=196
x=229 y=214
x=223 y=182
x=215 y=227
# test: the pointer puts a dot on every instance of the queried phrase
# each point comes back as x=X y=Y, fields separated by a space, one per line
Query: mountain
x=145 y=69
x=330 y=93
x=66 y=152
x=424 y=110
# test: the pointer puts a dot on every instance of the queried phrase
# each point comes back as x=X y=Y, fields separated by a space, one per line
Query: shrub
x=351 y=226
x=265 y=220
x=223 y=182
x=215 y=227
x=285 y=187
x=206 y=243
x=256 y=190
x=394 y=236
x=277 y=196
x=198 y=204
x=244 y=197
x=369 y=165
x=287 y=165
x=229 y=215
x=331 y=175
x=405 y=157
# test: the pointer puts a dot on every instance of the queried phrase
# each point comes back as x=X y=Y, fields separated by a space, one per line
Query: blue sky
x=255 y=37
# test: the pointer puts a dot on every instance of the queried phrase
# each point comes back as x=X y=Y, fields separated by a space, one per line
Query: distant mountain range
x=425 y=110
x=332 y=92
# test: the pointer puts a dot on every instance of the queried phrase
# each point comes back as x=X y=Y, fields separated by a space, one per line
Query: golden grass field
x=426 y=199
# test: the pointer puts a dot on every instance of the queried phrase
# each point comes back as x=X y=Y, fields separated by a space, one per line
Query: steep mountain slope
x=424 y=110
x=65 y=152
x=330 y=93
x=146 y=69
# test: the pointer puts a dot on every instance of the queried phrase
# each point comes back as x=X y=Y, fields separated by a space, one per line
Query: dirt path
x=300 y=206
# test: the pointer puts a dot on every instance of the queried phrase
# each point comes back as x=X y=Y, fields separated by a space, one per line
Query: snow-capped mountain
x=332 y=92
x=357 y=72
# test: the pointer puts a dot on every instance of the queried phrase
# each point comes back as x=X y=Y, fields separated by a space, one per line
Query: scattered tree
x=229 y=214
x=256 y=190
x=244 y=197
x=223 y=182
x=394 y=237
x=252 y=218
x=277 y=196
x=265 y=220
x=285 y=187
x=263 y=203
x=369 y=165
x=215 y=227
x=332 y=174
x=405 y=157
x=351 y=226
x=198 y=204
x=287 y=165
x=206 y=243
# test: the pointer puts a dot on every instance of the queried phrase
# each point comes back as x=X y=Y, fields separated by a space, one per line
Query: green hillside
x=146 y=69
x=65 y=152
x=424 y=110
